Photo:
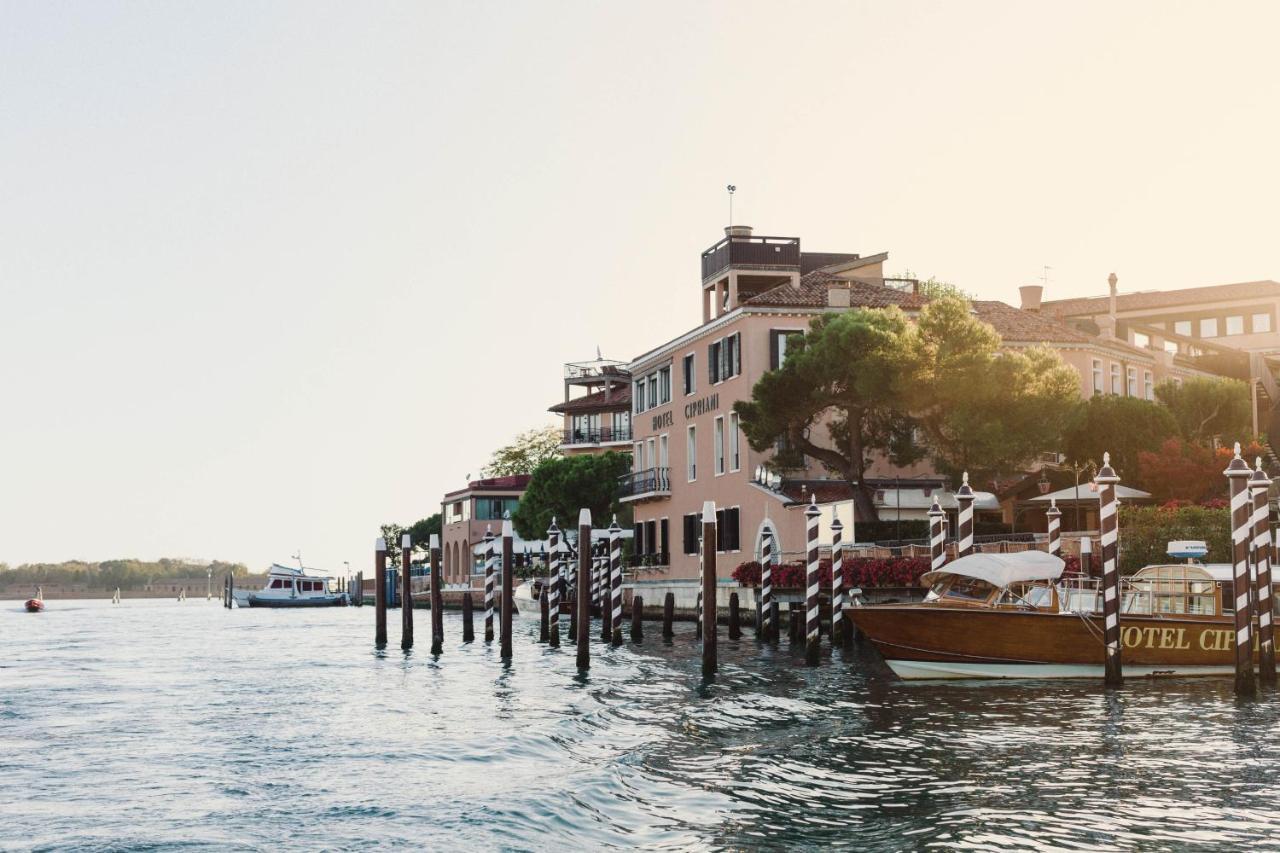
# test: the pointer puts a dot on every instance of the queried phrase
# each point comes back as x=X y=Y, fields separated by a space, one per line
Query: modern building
x=599 y=418
x=467 y=513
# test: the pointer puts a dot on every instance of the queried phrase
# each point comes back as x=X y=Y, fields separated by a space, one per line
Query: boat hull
x=932 y=642
x=34 y=605
x=312 y=601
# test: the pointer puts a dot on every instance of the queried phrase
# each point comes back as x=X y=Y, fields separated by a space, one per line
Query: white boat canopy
x=1000 y=570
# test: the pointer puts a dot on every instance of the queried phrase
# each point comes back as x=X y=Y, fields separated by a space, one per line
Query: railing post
x=1259 y=485
x=1107 y=480
x=1237 y=474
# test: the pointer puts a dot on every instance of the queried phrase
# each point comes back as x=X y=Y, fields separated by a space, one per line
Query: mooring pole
x=837 y=581
x=582 y=607
x=437 y=597
x=764 y=607
x=490 y=566
x=1107 y=480
x=554 y=579
x=637 y=618
x=602 y=591
x=380 y=593
x=508 y=585
x=964 y=499
x=468 y=618
x=1237 y=474
x=406 y=593
x=812 y=587
x=668 y=615
x=708 y=589
x=615 y=580
x=1055 y=528
x=697 y=606
x=735 y=618
x=231 y=590
x=1259 y=484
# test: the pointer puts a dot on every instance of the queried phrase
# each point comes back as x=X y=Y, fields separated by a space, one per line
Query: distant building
x=467 y=513
x=600 y=418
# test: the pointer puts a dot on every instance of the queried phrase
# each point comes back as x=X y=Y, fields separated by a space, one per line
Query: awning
x=1000 y=570
x=1087 y=493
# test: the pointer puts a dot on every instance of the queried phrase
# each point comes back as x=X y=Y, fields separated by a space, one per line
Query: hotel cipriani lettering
x=1203 y=639
x=700 y=407
x=662 y=421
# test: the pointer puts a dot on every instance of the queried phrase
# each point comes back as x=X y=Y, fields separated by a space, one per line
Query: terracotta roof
x=513 y=483
x=812 y=293
x=619 y=398
x=1163 y=298
x=1028 y=327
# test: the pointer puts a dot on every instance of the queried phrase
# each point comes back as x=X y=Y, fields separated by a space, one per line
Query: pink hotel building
x=676 y=417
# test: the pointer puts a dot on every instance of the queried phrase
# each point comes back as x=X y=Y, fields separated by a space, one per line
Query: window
x=689 y=383
x=1209 y=327
x=651 y=537
x=691 y=533
x=639 y=455
x=778 y=346
x=638 y=393
x=1141 y=339
x=727 y=533
x=1235 y=324
x=1098 y=385
x=1261 y=323
x=1131 y=381
x=732 y=355
x=653 y=390
x=494 y=509
x=1182 y=327
x=1171 y=347
x=277 y=583
x=664 y=386
x=1148 y=386
x=1116 y=387
x=664 y=546
x=713 y=362
x=693 y=454
x=653 y=457
x=662 y=452
x=637 y=530
x=718 y=437
x=735 y=461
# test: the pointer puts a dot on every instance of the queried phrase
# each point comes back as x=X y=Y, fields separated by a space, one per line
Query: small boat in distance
x=289 y=587
x=36 y=605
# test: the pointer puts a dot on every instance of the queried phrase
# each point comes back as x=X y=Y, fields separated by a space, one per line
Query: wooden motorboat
x=34 y=605
x=1015 y=616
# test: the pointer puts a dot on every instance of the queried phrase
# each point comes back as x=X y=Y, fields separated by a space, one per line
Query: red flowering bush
x=1073 y=564
x=858 y=572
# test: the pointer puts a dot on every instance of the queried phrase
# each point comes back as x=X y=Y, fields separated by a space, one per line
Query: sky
x=274 y=274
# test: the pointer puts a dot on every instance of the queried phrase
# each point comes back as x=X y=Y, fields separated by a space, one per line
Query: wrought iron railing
x=647 y=481
x=597 y=436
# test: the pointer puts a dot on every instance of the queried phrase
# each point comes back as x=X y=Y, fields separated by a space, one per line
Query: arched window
x=768 y=524
x=464 y=568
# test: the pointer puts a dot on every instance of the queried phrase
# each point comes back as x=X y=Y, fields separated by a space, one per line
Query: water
x=160 y=725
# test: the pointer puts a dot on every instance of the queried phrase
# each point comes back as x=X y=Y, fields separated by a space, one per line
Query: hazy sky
x=271 y=274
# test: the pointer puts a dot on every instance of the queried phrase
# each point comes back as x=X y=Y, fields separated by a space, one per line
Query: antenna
x=1044 y=277
x=732 y=189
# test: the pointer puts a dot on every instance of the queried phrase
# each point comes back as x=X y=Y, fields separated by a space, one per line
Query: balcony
x=604 y=435
x=753 y=252
x=600 y=370
x=660 y=560
x=645 y=485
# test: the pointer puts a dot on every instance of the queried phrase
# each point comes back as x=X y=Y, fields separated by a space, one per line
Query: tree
x=391 y=534
x=1205 y=408
x=1122 y=426
x=932 y=288
x=981 y=409
x=525 y=453
x=561 y=487
x=842 y=375
x=422 y=530
x=1184 y=471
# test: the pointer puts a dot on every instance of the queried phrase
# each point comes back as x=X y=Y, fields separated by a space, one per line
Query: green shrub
x=1146 y=531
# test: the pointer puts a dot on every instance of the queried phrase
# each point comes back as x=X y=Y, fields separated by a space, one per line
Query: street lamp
x=208 y=591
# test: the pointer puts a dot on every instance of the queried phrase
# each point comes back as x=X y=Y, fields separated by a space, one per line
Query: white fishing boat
x=292 y=587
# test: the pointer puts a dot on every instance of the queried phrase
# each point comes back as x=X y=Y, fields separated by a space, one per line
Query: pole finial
x=964 y=478
x=709 y=512
x=1106 y=458
x=1257 y=463
x=1237 y=449
x=584 y=517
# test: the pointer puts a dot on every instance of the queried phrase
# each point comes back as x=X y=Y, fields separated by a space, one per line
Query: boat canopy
x=1000 y=570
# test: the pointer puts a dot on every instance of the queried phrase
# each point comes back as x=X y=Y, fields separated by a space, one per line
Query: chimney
x=1031 y=295
x=737 y=231
x=838 y=297
x=1111 y=282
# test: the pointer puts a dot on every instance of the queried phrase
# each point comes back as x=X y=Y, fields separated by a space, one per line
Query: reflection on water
x=159 y=724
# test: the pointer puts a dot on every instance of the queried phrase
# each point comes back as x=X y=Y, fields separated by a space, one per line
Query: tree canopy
x=1122 y=426
x=109 y=574
x=526 y=451
x=1205 y=408
x=561 y=487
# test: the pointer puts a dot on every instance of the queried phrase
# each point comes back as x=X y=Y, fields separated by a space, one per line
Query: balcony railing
x=595 y=369
x=603 y=435
x=650 y=481
x=648 y=561
x=755 y=251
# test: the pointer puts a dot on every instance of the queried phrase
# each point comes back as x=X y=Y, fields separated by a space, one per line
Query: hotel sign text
x=699 y=407
x=662 y=421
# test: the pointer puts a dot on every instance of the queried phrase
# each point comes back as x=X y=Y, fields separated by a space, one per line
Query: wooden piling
x=437 y=597
x=231 y=590
x=406 y=593
x=795 y=622
x=637 y=619
x=380 y=592
x=615 y=582
x=837 y=581
x=544 y=616
x=709 y=632
x=1106 y=480
x=964 y=499
x=555 y=579
x=490 y=569
x=1237 y=474
x=774 y=618
x=812 y=589
x=508 y=583
x=602 y=592
x=468 y=618
x=937 y=536
x=582 y=606
x=764 y=604
x=697 y=607
x=1054 y=516
x=1259 y=486
x=735 y=625
x=668 y=615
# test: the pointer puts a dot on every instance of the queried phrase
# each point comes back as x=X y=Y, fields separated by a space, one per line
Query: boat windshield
x=1027 y=595
x=958 y=587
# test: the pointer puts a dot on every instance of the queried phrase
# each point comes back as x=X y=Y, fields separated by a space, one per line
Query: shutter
x=737 y=354
x=719 y=530
x=713 y=362
x=651 y=538
x=735 y=540
x=690 y=535
x=637 y=544
x=724 y=358
x=664 y=543
x=773 y=348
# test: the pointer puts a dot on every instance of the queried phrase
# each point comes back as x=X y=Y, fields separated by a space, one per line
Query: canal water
x=159 y=725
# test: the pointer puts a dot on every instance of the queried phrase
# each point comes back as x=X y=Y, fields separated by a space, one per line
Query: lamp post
x=208 y=592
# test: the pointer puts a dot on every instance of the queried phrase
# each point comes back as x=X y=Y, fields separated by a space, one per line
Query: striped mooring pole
x=406 y=593
x=566 y=566
x=1259 y=484
x=1055 y=528
x=437 y=597
x=615 y=580
x=380 y=592
x=811 y=650
x=602 y=591
x=508 y=583
x=708 y=589
x=1237 y=474
x=937 y=537
x=553 y=584
x=1107 y=480
x=837 y=583
x=582 y=607
x=490 y=566
x=964 y=536
x=764 y=615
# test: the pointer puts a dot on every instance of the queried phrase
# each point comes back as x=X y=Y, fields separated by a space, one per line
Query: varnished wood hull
x=929 y=641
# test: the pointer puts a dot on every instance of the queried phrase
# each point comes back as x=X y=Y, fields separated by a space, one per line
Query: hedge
x=1146 y=531
x=858 y=572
